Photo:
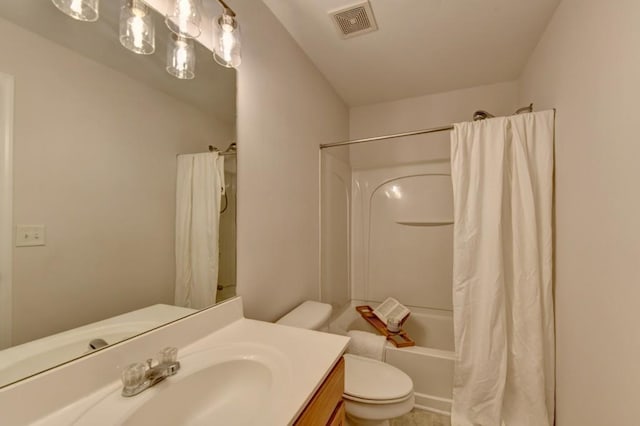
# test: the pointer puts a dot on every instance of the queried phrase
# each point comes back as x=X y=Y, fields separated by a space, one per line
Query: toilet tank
x=310 y=315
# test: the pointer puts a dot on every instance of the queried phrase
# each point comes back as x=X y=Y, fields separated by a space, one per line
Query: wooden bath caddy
x=399 y=339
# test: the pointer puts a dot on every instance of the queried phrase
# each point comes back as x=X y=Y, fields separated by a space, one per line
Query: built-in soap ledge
x=436 y=222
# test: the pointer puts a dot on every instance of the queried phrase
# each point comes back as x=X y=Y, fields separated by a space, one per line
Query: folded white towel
x=366 y=344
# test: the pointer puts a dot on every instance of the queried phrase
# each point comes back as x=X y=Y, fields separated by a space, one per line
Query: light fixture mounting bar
x=226 y=8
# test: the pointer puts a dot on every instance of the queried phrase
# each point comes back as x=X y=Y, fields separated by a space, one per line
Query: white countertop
x=309 y=356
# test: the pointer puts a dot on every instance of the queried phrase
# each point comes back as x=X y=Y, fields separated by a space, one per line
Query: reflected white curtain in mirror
x=199 y=187
x=502 y=172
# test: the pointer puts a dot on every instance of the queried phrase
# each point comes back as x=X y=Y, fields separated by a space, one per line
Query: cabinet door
x=323 y=405
x=338 y=416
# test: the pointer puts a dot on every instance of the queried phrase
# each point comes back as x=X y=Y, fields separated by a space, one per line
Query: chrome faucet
x=139 y=377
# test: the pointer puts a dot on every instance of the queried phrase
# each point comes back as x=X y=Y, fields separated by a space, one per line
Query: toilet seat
x=375 y=382
x=375 y=402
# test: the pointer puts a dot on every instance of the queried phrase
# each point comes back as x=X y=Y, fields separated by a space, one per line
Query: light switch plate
x=30 y=235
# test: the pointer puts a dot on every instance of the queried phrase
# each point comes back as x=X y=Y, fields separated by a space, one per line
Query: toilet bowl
x=374 y=391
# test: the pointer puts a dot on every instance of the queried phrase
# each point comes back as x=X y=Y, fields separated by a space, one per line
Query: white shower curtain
x=502 y=172
x=199 y=186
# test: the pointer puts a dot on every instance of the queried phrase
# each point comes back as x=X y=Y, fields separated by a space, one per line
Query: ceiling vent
x=354 y=20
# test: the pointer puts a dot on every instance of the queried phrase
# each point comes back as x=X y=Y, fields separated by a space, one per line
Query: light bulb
x=181 y=58
x=183 y=18
x=137 y=31
x=76 y=6
x=185 y=8
x=227 y=43
x=81 y=10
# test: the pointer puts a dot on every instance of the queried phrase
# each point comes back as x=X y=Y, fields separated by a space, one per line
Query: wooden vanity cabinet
x=338 y=416
x=326 y=406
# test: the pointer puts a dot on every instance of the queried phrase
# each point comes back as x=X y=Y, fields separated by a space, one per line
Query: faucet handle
x=169 y=355
x=133 y=375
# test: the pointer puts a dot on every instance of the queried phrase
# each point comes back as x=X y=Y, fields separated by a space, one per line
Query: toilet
x=374 y=391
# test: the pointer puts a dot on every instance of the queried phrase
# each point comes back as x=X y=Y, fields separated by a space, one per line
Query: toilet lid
x=367 y=378
x=310 y=315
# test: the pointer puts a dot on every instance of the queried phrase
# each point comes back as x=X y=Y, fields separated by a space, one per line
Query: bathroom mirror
x=98 y=131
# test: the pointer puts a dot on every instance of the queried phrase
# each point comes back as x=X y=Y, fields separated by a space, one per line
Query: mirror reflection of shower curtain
x=199 y=187
x=502 y=172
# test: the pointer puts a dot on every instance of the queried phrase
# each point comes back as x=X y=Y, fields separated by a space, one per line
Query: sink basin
x=234 y=385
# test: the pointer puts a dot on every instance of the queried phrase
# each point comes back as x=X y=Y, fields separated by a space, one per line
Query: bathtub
x=429 y=363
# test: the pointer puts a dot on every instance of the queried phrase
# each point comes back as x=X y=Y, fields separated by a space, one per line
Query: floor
x=421 y=418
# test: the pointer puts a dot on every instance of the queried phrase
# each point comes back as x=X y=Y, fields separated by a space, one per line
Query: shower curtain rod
x=478 y=115
x=380 y=138
x=232 y=149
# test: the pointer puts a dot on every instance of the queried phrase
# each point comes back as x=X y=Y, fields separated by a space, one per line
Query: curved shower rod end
x=525 y=110
x=482 y=115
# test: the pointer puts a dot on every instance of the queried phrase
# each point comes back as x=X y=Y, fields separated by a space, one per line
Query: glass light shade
x=183 y=18
x=82 y=10
x=226 y=41
x=137 y=32
x=181 y=57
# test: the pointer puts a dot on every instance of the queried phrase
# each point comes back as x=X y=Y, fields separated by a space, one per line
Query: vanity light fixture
x=81 y=10
x=226 y=38
x=181 y=57
x=137 y=31
x=183 y=18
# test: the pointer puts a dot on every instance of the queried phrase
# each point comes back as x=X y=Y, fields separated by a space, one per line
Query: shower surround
x=400 y=236
x=387 y=231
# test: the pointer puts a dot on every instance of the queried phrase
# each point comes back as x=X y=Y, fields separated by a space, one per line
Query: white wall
x=427 y=111
x=587 y=65
x=285 y=109
x=94 y=162
x=418 y=113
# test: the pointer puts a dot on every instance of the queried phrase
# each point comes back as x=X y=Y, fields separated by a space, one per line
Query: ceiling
x=421 y=47
x=213 y=91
